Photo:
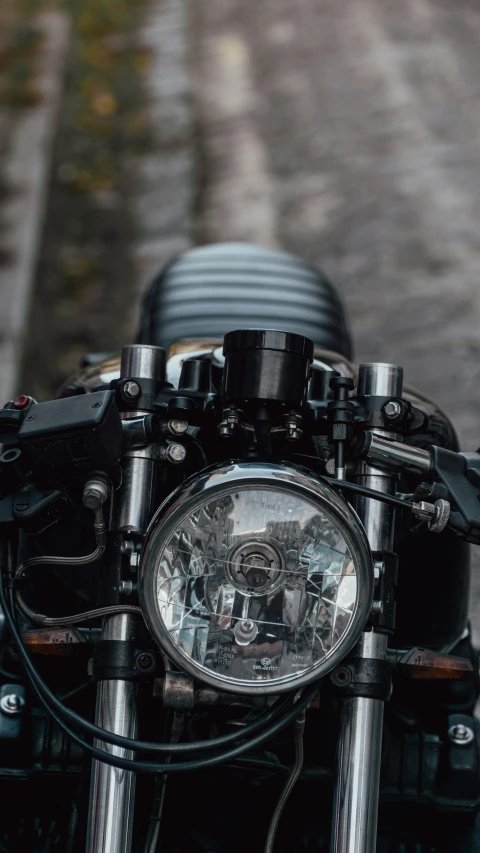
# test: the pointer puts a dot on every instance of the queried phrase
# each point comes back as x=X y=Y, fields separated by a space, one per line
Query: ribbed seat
x=211 y=290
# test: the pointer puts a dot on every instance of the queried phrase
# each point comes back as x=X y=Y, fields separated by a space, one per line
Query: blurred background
x=346 y=131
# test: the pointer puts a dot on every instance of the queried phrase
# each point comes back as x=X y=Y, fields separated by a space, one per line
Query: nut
x=424 y=510
x=442 y=514
x=12 y=704
x=461 y=734
x=225 y=430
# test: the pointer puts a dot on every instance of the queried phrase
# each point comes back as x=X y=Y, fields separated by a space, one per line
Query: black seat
x=213 y=289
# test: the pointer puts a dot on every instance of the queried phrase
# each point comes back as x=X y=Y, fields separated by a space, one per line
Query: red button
x=21 y=401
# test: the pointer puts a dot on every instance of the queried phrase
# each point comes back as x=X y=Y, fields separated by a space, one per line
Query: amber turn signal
x=422 y=664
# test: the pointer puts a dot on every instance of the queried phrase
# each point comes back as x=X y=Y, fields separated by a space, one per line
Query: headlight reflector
x=256 y=577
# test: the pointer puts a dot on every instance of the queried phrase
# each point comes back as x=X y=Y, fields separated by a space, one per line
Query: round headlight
x=256 y=577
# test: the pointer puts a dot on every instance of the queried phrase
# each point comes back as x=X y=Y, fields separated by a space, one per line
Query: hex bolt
x=127 y=547
x=131 y=389
x=95 y=493
x=175 y=453
x=134 y=561
x=177 y=427
x=377 y=608
x=12 y=704
x=379 y=569
x=461 y=734
x=392 y=409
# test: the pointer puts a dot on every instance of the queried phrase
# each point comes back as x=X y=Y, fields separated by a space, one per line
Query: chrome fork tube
x=112 y=794
x=357 y=778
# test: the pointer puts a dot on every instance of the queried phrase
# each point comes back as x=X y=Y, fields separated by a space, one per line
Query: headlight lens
x=256 y=577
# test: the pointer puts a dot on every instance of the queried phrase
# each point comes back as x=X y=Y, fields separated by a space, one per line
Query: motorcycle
x=234 y=587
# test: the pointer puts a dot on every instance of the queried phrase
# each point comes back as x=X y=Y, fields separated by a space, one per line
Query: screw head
x=461 y=734
x=131 y=390
x=145 y=661
x=12 y=704
x=392 y=409
x=341 y=676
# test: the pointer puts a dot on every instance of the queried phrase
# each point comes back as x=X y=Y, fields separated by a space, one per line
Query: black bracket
x=366 y=677
x=386 y=563
x=114 y=659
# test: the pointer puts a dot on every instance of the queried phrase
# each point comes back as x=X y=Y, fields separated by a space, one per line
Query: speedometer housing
x=256 y=577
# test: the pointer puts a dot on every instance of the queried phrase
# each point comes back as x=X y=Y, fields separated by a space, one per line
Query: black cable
x=49 y=700
x=356 y=487
x=184 y=766
x=368 y=493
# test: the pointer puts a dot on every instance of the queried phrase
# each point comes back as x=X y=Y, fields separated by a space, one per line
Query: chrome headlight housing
x=256 y=577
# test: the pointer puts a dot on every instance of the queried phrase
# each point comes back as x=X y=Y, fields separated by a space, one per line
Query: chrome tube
x=134 y=502
x=380 y=380
x=394 y=456
x=141 y=361
x=357 y=777
x=383 y=380
x=112 y=793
